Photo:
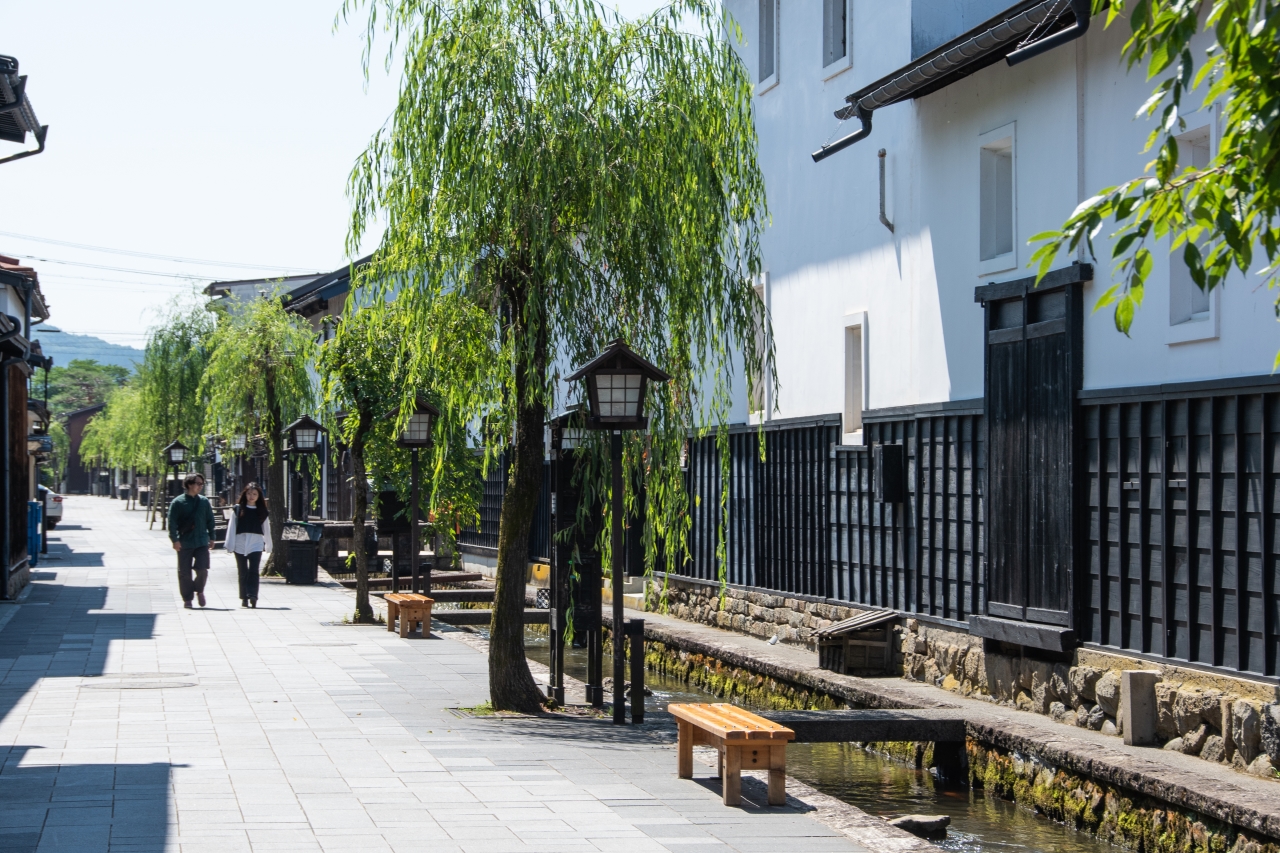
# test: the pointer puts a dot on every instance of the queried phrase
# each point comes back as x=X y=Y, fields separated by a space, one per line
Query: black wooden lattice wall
x=1181 y=504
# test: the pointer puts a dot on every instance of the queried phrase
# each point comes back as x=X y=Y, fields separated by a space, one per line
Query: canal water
x=882 y=786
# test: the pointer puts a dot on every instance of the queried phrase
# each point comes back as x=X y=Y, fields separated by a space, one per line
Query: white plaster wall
x=827 y=254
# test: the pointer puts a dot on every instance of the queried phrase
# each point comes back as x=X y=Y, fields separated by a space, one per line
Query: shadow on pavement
x=64 y=632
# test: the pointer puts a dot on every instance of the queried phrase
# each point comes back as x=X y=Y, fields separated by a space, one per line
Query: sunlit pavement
x=129 y=724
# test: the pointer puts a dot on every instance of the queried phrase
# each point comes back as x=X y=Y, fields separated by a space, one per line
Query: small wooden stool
x=743 y=740
x=410 y=608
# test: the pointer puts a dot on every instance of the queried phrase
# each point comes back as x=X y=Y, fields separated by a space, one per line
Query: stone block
x=1060 y=714
x=1271 y=732
x=1109 y=727
x=1174 y=745
x=1107 y=691
x=1059 y=684
x=1166 y=693
x=973 y=665
x=1246 y=730
x=1214 y=749
x=1001 y=681
x=1262 y=766
x=1224 y=712
x=1138 y=706
x=1082 y=680
x=1186 y=709
x=1193 y=741
x=1211 y=708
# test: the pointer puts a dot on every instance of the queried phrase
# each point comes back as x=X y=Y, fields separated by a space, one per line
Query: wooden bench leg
x=778 y=775
x=732 y=775
x=391 y=615
x=720 y=761
x=684 y=750
x=405 y=621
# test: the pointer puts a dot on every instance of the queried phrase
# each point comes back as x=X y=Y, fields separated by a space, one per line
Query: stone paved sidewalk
x=129 y=724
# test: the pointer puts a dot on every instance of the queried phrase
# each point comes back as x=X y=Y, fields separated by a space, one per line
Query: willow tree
x=258 y=381
x=169 y=379
x=576 y=177
x=364 y=374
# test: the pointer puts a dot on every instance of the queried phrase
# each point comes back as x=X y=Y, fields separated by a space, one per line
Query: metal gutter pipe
x=1082 y=10
x=864 y=116
x=884 y=220
x=933 y=67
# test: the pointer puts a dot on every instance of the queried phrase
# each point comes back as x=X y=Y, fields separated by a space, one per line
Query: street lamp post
x=304 y=439
x=617 y=380
x=566 y=436
x=175 y=454
x=415 y=436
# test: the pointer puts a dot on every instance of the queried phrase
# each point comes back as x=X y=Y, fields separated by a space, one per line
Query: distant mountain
x=64 y=346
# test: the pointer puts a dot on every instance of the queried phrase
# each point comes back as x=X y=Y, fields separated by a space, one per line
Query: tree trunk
x=511 y=685
x=360 y=509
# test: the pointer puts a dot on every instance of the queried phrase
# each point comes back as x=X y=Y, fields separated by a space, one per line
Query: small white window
x=996 y=188
x=855 y=373
x=835 y=36
x=1187 y=302
x=767 y=24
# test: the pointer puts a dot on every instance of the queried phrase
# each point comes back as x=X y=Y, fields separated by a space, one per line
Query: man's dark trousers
x=192 y=561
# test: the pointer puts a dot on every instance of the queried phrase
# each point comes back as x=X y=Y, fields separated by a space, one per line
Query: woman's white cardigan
x=248 y=543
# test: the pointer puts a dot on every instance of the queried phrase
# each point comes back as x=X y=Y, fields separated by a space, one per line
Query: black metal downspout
x=864 y=116
x=6 y=534
x=1082 y=9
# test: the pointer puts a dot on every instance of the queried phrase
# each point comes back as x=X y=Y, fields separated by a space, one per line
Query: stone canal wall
x=1222 y=719
x=1144 y=804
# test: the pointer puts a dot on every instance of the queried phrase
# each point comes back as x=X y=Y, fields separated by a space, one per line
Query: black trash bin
x=301 y=543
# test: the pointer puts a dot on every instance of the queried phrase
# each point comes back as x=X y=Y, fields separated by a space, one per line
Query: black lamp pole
x=415 y=436
x=616 y=383
x=615 y=572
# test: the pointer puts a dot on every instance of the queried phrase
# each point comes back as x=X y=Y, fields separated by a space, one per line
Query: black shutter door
x=1007 y=456
x=1032 y=376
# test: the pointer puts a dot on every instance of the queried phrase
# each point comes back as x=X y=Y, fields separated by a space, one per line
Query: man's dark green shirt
x=191 y=521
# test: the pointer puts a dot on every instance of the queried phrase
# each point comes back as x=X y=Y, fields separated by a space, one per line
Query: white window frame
x=772 y=80
x=854 y=320
x=989 y=140
x=1201 y=328
x=845 y=62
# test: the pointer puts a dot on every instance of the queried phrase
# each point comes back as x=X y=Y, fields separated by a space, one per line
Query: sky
x=217 y=136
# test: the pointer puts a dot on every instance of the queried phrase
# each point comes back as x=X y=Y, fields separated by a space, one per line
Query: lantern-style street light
x=304 y=438
x=237 y=442
x=415 y=436
x=617 y=380
x=175 y=453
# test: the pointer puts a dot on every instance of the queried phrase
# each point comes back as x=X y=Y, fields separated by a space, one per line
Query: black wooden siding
x=777 y=507
x=1181 y=504
x=485 y=533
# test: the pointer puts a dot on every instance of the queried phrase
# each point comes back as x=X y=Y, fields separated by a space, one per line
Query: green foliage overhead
x=1215 y=217
x=573 y=177
x=172 y=371
x=364 y=376
x=83 y=383
x=122 y=434
x=257 y=380
x=554 y=177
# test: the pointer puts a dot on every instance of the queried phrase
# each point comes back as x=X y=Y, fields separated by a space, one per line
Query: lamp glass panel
x=618 y=394
x=237 y=442
x=419 y=429
x=305 y=438
x=178 y=454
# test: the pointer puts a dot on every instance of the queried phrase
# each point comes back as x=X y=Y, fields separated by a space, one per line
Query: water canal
x=883 y=786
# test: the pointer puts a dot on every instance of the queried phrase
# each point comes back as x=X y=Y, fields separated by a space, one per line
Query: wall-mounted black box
x=890 y=464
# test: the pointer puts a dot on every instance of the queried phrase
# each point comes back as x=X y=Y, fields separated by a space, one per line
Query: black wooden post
x=615 y=583
x=635 y=633
x=414 y=536
x=595 y=665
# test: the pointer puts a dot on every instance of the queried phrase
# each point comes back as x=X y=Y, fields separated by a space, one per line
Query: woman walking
x=248 y=536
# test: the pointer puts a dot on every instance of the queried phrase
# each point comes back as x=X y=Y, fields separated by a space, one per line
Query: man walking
x=191 y=531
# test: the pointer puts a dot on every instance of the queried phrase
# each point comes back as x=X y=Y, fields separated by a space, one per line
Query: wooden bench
x=742 y=740
x=410 y=608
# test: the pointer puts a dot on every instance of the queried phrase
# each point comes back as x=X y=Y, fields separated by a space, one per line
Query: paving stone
x=297 y=735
